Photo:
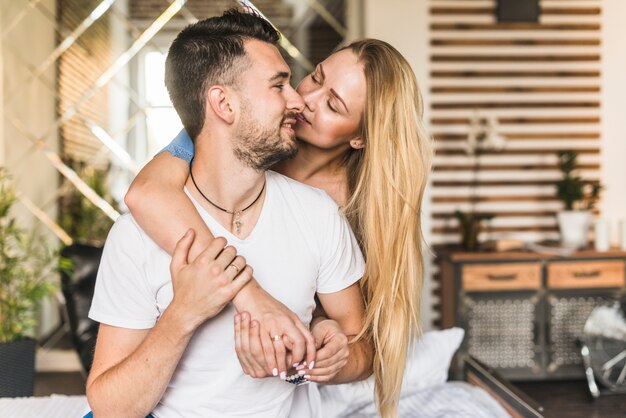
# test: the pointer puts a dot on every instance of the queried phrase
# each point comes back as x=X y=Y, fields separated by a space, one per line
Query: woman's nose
x=311 y=98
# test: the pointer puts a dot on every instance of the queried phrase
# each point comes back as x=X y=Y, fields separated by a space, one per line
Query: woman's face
x=334 y=98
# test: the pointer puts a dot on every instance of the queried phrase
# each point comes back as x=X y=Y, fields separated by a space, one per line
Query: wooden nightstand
x=523 y=311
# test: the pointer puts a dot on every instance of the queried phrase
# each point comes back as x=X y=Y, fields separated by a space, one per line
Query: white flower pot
x=574 y=228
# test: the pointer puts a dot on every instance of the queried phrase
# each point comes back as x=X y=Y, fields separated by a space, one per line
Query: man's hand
x=332 y=354
x=202 y=288
x=249 y=348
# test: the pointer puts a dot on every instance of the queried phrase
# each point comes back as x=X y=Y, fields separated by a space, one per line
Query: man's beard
x=260 y=147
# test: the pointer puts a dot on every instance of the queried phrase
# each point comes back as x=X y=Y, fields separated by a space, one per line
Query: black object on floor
x=78 y=290
x=17 y=368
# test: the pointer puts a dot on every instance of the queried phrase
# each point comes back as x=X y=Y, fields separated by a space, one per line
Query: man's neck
x=221 y=178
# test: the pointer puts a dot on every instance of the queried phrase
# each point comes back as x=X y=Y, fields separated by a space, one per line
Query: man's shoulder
x=307 y=195
x=127 y=232
x=126 y=224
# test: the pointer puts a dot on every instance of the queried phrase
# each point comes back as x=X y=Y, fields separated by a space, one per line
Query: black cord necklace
x=236 y=213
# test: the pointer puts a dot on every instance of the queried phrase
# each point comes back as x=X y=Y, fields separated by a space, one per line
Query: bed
x=427 y=392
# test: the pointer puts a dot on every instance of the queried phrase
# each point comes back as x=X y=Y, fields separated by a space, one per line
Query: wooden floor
x=60 y=383
x=572 y=399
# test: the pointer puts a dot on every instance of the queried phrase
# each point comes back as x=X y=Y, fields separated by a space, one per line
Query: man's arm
x=132 y=368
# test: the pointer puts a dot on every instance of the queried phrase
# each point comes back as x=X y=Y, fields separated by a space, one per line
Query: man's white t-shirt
x=300 y=245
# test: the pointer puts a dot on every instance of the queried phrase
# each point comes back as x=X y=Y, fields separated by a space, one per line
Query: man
x=166 y=341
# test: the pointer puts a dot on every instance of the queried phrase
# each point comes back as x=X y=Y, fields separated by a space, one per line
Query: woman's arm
x=158 y=203
x=347 y=308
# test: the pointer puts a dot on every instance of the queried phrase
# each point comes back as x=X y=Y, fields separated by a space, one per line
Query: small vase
x=470 y=229
x=574 y=228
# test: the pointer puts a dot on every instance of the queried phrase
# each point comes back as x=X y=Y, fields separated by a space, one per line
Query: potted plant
x=28 y=268
x=579 y=198
x=82 y=220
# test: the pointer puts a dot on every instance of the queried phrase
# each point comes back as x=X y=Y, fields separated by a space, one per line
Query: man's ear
x=357 y=143
x=219 y=100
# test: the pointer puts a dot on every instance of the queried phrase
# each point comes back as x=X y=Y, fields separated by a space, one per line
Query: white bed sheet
x=451 y=399
x=54 y=406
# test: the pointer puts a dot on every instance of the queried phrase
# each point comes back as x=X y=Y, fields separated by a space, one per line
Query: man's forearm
x=133 y=387
x=359 y=366
x=246 y=296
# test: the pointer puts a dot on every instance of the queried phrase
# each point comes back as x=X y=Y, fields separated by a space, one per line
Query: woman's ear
x=357 y=143
x=219 y=101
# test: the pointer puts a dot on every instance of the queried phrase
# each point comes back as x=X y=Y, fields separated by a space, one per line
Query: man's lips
x=288 y=123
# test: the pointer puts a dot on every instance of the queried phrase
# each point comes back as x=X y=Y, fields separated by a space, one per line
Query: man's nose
x=295 y=102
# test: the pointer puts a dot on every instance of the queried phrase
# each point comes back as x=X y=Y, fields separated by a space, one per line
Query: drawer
x=497 y=277
x=585 y=274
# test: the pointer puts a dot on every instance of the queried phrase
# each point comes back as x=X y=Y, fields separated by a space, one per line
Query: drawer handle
x=512 y=276
x=586 y=274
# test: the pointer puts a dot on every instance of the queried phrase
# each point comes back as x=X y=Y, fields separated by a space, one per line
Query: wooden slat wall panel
x=541 y=82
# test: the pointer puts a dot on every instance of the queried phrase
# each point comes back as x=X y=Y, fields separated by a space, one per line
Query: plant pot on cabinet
x=574 y=228
x=17 y=365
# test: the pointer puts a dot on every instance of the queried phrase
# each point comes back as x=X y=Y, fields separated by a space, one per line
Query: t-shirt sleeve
x=122 y=296
x=181 y=147
x=342 y=262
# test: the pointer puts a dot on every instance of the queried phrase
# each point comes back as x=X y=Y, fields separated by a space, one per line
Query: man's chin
x=289 y=138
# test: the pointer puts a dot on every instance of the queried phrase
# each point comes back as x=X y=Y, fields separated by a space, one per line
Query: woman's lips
x=302 y=119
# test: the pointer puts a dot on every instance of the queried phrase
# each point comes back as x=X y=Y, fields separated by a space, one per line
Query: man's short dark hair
x=206 y=53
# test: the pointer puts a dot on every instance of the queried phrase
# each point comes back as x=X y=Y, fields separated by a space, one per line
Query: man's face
x=267 y=108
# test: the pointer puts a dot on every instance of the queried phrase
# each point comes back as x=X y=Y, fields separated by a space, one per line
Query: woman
x=361 y=139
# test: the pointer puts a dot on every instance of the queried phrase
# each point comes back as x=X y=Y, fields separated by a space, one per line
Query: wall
x=29 y=110
x=613 y=125
x=2 y=141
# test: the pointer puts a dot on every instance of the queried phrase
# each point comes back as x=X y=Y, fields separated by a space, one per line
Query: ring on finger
x=276 y=338
x=235 y=267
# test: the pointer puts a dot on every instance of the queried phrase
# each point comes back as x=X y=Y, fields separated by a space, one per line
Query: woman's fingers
x=281 y=355
x=268 y=351
x=329 y=359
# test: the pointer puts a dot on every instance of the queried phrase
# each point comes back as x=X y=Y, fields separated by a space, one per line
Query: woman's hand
x=295 y=343
x=332 y=353
x=251 y=354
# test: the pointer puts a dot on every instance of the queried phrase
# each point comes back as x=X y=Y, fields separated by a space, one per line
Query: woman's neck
x=319 y=168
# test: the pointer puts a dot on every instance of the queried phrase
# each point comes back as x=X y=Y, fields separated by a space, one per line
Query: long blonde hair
x=386 y=181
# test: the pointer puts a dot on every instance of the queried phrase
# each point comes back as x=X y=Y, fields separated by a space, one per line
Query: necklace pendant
x=237 y=222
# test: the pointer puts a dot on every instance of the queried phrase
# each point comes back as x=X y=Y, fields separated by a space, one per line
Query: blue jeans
x=90 y=415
